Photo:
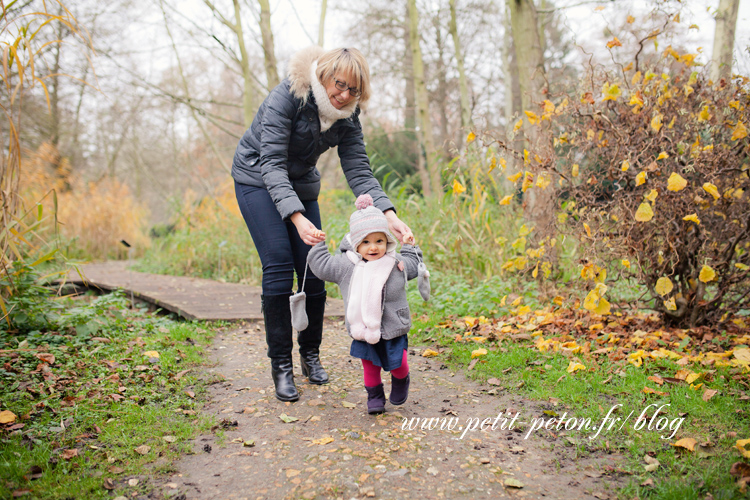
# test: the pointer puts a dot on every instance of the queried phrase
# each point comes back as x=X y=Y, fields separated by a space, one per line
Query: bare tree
x=272 y=74
x=726 y=25
x=423 y=105
x=463 y=86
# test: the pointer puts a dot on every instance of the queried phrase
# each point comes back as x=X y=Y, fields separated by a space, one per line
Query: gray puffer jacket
x=338 y=269
x=280 y=149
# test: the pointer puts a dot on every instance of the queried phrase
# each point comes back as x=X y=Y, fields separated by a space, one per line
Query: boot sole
x=376 y=411
x=287 y=400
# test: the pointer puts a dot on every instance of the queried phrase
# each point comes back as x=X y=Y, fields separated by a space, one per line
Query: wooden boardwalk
x=191 y=298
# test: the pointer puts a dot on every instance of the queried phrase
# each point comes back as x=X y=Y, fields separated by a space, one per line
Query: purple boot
x=375 y=399
x=399 y=390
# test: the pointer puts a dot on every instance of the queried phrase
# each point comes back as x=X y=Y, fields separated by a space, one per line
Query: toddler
x=372 y=278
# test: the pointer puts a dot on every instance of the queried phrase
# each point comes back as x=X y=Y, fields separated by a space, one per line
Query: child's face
x=373 y=246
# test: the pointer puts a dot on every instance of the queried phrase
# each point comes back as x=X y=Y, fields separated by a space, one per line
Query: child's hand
x=401 y=265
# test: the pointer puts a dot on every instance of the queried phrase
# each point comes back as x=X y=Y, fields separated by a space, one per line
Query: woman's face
x=340 y=98
x=373 y=246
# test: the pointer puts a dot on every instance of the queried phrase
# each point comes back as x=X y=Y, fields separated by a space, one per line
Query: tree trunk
x=272 y=74
x=538 y=203
x=410 y=112
x=462 y=84
x=512 y=90
x=423 y=111
x=322 y=23
x=442 y=89
x=726 y=25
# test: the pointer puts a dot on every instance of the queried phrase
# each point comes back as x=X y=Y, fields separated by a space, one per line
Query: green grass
x=522 y=369
x=69 y=405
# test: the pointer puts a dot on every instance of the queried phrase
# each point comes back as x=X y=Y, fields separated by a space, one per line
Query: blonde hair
x=349 y=63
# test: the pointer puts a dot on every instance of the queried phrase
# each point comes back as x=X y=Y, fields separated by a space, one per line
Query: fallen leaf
x=644 y=213
x=742 y=446
x=478 y=353
x=709 y=393
x=142 y=450
x=656 y=379
x=169 y=439
x=574 y=366
x=287 y=419
x=649 y=390
x=151 y=354
x=190 y=394
x=494 y=381
x=7 y=417
x=47 y=358
x=740 y=469
x=429 y=353
x=652 y=463
x=323 y=441
x=347 y=404
x=68 y=454
x=687 y=443
x=513 y=483
x=707 y=274
x=108 y=484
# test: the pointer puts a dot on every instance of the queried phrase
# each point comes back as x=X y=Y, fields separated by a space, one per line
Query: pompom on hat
x=366 y=220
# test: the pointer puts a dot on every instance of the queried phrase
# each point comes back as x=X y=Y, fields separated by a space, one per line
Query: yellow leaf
x=518 y=125
x=656 y=123
x=651 y=196
x=636 y=78
x=630 y=20
x=429 y=353
x=640 y=178
x=151 y=354
x=7 y=417
x=626 y=263
x=610 y=92
x=514 y=178
x=574 y=366
x=692 y=377
x=712 y=190
x=543 y=181
x=516 y=302
x=323 y=440
x=676 y=182
x=533 y=118
x=603 y=308
x=687 y=443
x=558 y=300
x=635 y=100
x=670 y=304
x=493 y=164
x=502 y=301
x=614 y=43
x=741 y=445
x=644 y=213
x=506 y=200
x=692 y=218
x=663 y=286
x=588 y=229
x=741 y=266
x=625 y=166
x=662 y=155
x=458 y=187
x=704 y=115
x=478 y=353
x=574 y=170
x=707 y=274
x=548 y=106
x=470 y=138
x=739 y=132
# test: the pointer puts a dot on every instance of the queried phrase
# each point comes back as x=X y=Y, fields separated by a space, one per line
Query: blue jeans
x=281 y=250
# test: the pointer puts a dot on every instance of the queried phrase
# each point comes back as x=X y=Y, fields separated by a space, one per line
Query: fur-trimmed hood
x=299 y=71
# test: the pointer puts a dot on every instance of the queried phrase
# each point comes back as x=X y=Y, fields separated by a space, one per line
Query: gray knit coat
x=396 y=320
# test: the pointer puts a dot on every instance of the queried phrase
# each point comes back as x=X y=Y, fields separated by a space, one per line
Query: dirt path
x=335 y=450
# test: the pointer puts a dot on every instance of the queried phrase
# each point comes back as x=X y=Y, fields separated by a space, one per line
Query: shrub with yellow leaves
x=679 y=216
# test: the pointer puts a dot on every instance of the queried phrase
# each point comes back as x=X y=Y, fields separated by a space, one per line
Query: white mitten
x=297 y=303
x=423 y=281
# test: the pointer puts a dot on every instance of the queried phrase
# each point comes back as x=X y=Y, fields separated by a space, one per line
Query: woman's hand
x=310 y=234
x=400 y=230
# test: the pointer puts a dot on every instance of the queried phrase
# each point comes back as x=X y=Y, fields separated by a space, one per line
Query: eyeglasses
x=353 y=91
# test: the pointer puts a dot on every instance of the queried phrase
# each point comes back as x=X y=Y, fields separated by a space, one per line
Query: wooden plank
x=191 y=298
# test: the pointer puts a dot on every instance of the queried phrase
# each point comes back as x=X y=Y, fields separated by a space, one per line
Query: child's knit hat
x=366 y=220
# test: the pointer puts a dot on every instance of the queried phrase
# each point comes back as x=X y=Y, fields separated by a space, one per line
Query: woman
x=277 y=185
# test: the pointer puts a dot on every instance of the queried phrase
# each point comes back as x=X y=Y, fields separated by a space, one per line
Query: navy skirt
x=387 y=354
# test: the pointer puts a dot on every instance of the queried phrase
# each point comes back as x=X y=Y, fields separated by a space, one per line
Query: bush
x=654 y=176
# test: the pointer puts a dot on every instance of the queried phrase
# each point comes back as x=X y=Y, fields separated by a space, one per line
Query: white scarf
x=326 y=111
x=365 y=309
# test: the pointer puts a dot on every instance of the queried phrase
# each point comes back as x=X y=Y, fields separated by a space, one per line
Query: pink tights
x=372 y=371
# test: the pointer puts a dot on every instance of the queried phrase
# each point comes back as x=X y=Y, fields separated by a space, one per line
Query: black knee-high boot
x=309 y=341
x=278 y=318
